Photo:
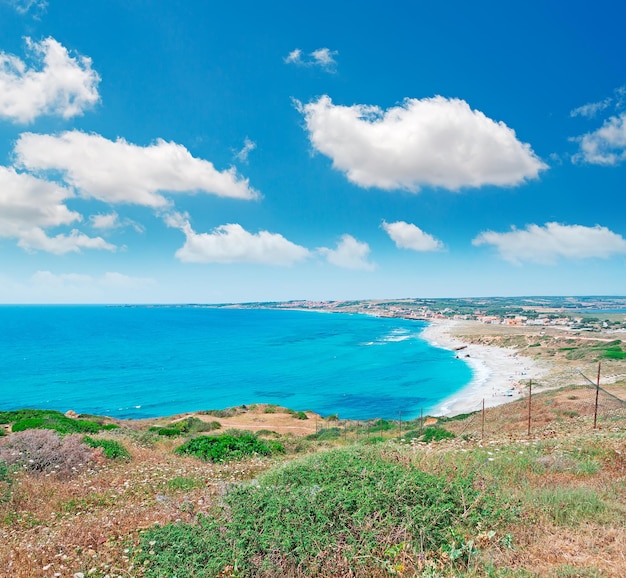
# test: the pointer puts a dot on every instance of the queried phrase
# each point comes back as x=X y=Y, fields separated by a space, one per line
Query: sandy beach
x=497 y=371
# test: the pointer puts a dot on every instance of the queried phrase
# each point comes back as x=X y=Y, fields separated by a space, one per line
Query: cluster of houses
x=415 y=310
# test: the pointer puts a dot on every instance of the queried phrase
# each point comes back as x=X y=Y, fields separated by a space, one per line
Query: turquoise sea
x=135 y=362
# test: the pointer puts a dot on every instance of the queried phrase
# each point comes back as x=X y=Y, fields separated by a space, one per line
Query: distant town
x=595 y=314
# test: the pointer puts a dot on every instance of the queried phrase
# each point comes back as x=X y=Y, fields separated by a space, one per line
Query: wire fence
x=575 y=408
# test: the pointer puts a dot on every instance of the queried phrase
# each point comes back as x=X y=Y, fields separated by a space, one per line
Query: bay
x=137 y=362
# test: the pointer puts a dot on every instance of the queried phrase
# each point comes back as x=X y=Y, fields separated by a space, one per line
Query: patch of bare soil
x=261 y=417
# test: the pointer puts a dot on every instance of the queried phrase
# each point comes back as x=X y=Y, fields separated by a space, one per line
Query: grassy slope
x=549 y=505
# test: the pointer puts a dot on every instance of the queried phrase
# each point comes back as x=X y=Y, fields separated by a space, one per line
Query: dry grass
x=91 y=522
x=51 y=527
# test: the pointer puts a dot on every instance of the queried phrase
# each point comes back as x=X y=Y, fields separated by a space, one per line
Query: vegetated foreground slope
x=371 y=504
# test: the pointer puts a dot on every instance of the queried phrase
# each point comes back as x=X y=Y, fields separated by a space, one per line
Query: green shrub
x=187 y=426
x=167 y=431
x=411 y=434
x=301 y=415
x=228 y=412
x=381 y=425
x=58 y=423
x=227 y=447
x=24 y=419
x=193 y=425
x=350 y=502
x=267 y=433
x=20 y=414
x=457 y=417
x=326 y=434
x=613 y=353
x=436 y=434
x=112 y=449
x=110 y=426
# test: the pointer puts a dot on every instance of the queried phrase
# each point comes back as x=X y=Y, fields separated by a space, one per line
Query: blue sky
x=174 y=152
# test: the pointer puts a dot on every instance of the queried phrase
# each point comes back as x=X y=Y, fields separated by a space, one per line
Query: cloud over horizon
x=29 y=206
x=56 y=84
x=408 y=236
x=122 y=172
x=436 y=142
x=547 y=244
x=231 y=243
x=349 y=254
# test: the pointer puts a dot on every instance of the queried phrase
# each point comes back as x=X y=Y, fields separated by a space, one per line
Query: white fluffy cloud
x=37 y=240
x=29 y=205
x=121 y=172
x=105 y=222
x=109 y=221
x=322 y=57
x=349 y=254
x=57 y=84
x=408 y=236
x=606 y=145
x=436 y=141
x=231 y=243
x=552 y=241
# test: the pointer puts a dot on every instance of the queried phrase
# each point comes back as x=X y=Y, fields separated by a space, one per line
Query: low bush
x=166 y=431
x=112 y=450
x=412 y=434
x=381 y=425
x=228 y=412
x=350 y=502
x=20 y=414
x=325 y=434
x=436 y=434
x=228 y=447
x=25 y=419
x=45 y=451
x=187 y=426
x=62 y=424
x=613 y=353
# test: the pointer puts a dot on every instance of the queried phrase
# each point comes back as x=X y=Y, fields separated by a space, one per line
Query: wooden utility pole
x=595 y=411
x=530 y=398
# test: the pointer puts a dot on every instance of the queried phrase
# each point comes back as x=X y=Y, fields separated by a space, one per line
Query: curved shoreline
x=496 y=371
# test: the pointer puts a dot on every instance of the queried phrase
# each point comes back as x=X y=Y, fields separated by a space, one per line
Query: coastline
x=497 y=372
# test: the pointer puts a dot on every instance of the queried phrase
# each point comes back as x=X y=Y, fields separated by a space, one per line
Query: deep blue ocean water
x=152 y=361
